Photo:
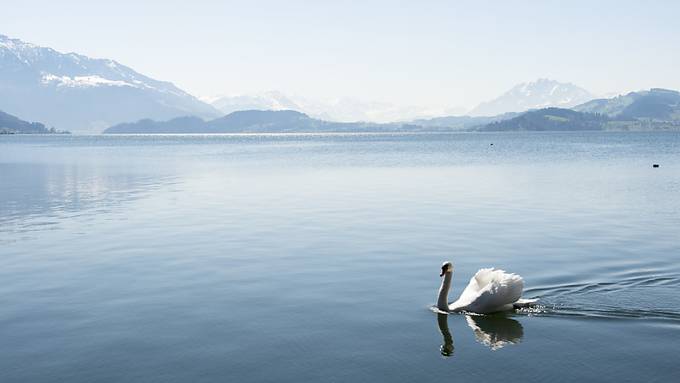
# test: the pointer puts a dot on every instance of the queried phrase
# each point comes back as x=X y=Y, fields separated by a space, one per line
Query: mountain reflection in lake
x=38 y=196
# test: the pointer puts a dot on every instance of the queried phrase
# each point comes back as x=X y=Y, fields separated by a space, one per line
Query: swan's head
x=447 y=267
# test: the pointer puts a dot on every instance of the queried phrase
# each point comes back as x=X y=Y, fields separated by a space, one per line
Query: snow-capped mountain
x=82 y=94
x=348 y=109
x=538 y=94
x=340 y=110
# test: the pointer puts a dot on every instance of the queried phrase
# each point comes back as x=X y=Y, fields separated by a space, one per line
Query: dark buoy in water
x=655 y=165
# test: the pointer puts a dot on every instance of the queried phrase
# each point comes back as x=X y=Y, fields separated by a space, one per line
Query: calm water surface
x=292 y=258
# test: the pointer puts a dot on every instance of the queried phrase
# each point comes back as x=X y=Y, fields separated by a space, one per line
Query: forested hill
x=11 y=125
x=253 y=121
x=549 y=119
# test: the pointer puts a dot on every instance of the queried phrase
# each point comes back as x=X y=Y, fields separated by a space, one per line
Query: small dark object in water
x=491 y=144
x=655 y=165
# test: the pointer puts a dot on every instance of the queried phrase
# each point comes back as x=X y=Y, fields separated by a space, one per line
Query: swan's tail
x=521 y=303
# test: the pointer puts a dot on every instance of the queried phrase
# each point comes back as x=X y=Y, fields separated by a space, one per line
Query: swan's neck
x=442 y=301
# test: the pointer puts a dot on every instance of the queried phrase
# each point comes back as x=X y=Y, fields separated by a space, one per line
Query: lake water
x=300 y=258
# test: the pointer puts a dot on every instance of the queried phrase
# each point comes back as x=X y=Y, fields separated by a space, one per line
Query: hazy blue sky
x=407 y=52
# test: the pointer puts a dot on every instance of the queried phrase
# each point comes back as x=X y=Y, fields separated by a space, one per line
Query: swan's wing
x=501 y=291
x=490 y=290
x=474 y=287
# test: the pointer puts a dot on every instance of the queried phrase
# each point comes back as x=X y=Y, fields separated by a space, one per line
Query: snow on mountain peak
x=71 y=69
x=91 y=93
x=537 y=94
x=82 y=81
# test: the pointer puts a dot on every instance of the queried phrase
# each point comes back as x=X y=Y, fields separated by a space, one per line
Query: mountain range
x=85 y=95
x=538 y=94
x=654 y=109
x=254 y=121
x=82 y=94
x=344 y=109
x=646 y=110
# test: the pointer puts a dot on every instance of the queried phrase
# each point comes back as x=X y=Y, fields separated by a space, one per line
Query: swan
x=490 y=290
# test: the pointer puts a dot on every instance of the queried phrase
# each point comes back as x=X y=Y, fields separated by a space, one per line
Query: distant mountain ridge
x=538 y=94
x=656 y=104
x=654 y=109
x=342 y=109
x=251 y=121
x=272 y=100
x=75 y=92
x=461 y=122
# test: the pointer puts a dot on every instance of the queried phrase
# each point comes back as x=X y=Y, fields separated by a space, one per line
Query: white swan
x=490 y=290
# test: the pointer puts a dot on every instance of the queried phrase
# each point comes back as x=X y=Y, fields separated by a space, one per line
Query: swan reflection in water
x=446 y=349
x=494 y=331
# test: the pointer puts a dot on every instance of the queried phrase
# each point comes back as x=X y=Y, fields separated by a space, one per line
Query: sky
x=436 y=53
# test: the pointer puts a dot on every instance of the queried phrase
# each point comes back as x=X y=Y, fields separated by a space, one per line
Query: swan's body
x=489 y=290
